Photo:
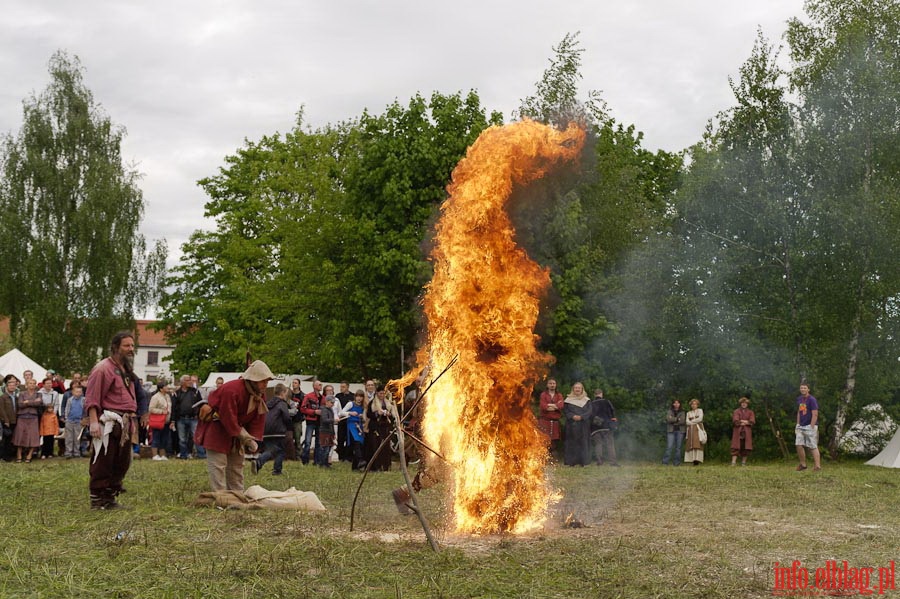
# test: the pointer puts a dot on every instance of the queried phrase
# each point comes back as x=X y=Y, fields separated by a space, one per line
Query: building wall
x=149 y=360
x=144 y=366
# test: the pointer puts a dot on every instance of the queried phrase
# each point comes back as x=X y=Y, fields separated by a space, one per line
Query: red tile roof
x=146 y=336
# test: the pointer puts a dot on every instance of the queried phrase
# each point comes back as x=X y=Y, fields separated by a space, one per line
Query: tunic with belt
x=238 y=409
x=742 y=431
x=109 y=388
x=549 y=419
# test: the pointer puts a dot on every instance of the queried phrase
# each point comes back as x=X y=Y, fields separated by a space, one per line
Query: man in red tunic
x=551 y=411
x=237 y=420
x=111 y=404
x=742 y=421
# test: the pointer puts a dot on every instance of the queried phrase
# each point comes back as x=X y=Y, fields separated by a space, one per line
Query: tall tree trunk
x=840 y=417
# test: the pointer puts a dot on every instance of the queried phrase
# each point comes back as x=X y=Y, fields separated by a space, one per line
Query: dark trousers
x=356 y=450
x=273 y=448
x=604 y=446
x=47 y=442
x=323 y=449
x=343 y=443
x=290 y=450
x=9 y=450
x=674 y=442
x=109 y=470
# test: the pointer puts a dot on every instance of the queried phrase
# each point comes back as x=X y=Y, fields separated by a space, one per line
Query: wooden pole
x=398 y=428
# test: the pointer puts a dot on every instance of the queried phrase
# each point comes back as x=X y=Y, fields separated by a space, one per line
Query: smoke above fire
x=482 y=305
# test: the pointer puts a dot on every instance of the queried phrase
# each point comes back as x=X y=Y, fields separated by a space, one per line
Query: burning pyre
x=482 y=304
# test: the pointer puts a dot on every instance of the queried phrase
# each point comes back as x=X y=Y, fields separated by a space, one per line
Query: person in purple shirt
x=807 y=431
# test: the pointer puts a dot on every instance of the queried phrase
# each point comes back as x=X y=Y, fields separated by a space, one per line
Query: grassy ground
x=651 y=531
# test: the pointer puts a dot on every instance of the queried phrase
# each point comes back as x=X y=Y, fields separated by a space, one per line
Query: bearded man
x=111 y=404
x=233 y=424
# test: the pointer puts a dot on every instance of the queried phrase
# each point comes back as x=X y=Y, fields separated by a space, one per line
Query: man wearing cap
x=236 y=420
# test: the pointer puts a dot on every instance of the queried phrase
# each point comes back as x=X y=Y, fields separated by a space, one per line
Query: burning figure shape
x=482 y=305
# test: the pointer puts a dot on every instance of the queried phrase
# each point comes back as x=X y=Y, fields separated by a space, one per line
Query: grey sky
x=191 y=80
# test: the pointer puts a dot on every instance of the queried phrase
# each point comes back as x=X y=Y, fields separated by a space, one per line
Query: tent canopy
x=890 y=455
x=15 y=362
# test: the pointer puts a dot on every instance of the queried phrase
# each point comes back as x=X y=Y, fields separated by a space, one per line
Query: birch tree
x=848 y=75
x=77 y=267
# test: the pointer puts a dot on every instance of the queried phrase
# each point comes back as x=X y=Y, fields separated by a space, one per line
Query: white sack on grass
x=258 y=498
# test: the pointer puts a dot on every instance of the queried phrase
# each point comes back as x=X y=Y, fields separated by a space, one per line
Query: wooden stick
x=365 y=473
x=423 y=444
x=398 y=427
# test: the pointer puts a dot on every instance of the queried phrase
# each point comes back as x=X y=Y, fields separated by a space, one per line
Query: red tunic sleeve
x=231 y=401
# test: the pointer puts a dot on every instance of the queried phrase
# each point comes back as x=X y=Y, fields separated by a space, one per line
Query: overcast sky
x=190 y=80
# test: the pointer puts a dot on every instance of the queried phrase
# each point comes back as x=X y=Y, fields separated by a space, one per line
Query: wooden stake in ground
x=398 y=430
x=775 y=431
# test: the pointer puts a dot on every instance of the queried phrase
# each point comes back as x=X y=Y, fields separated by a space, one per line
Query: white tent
x=15 y=362
x=890 y=455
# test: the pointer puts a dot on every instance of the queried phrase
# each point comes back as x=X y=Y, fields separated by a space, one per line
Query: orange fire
x=482 y=304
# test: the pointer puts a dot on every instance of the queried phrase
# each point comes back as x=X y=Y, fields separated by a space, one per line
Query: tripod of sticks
x=401 y=435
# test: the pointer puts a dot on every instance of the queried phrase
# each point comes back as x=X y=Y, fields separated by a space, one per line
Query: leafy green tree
x=317 y=260
x=742 y=256
x=786 y=228
x=555 y=101
x=848 y=77
x=230 y=294
x=581 y=224
x=71 y=209
x=365 y=266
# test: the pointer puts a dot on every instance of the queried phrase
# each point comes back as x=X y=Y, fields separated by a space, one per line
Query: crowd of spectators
x=42 y=419
x=590 y=425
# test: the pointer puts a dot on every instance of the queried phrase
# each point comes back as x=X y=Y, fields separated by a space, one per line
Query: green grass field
x=651 y=531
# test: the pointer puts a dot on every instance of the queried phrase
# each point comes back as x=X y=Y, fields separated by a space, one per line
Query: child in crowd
x=354 y=412
x=73 y=414
x=278 y=423
x=49 y=423
x=326 y=433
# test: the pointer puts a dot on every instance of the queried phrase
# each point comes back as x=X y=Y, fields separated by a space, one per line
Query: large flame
x=482 y=304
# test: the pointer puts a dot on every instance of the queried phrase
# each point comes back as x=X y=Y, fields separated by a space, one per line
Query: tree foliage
x=780 y=266
x=581 y=225
x=317 y=262
x=71 y=209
